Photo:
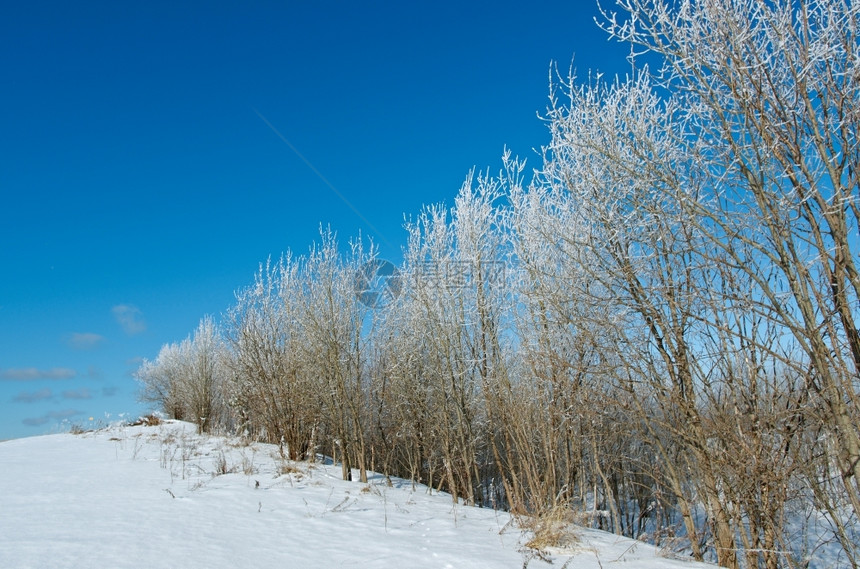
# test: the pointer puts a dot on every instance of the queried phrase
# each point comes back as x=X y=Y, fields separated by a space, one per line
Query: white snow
x=155 y=497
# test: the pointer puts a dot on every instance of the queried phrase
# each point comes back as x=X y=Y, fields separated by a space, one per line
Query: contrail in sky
x=323 y=178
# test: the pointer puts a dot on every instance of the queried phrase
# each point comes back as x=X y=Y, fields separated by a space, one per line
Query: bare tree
x=204 y=387
x=672 y=349
x=767 y=94
x=713 y=209
x=332 y=319
x=272 y=392
x=187 y=379
x=161 y=381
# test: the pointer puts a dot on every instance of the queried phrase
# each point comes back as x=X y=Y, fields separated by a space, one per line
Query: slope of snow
x=163 y=496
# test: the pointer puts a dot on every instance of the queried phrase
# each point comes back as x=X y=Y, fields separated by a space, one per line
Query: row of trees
x=655 y=332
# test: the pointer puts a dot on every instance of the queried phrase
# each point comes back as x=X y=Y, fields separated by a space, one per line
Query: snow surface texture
x=164 y=496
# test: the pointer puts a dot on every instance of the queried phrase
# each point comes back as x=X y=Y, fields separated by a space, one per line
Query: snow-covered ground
x=163 y=496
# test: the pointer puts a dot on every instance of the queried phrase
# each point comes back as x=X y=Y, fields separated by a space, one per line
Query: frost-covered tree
x=711 y=200
x=204 y=387
x=272 y=392
x=161 y=381
x=187 y=379
x=332 y=318
x=657 y=334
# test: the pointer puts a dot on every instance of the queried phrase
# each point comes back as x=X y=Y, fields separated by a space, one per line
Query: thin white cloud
x=84 y=340
x=82 y=393
x=134 y=365
x=94 y=372
x=52 y=416
x=36 y=421
x=33 y=396
x=130 y=318
x=109 y=391
x=32 y=373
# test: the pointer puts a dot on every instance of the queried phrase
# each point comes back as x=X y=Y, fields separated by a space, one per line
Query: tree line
x=654 y=332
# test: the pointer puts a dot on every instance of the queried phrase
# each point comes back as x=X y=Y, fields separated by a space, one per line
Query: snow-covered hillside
x=163 y=496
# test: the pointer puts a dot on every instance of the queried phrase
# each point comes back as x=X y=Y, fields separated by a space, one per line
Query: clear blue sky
x=140 y=187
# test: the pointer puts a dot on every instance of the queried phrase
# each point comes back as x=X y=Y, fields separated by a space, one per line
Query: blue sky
x=140 y=185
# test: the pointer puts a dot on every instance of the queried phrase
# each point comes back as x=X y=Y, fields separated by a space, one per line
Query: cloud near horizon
x=33 y=396
x=130 y=318
x=82 y=393
x=94 y=372
x=32 y=373
x=84 y=340
x=51 y=416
